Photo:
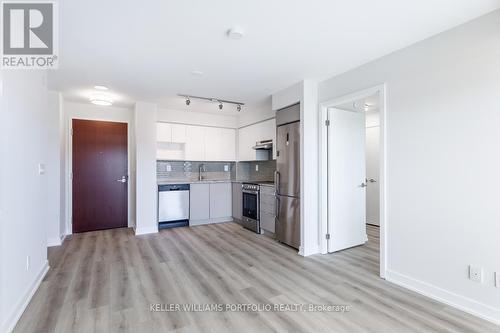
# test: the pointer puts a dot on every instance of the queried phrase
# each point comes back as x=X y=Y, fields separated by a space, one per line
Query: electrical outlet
x=27 y=263
x=256 y=167
x=226 y=168
x=169 y=167
x=497 y=279
x=476 y=274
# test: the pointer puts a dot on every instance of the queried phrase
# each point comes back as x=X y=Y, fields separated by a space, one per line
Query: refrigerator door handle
x=276 y=211
x=276 y=183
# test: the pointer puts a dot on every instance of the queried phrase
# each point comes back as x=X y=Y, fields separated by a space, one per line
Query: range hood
x=263 y=145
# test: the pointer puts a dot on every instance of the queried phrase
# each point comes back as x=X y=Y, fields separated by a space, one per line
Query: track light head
x=188 y=101
x=220 y=105
x=238 y=107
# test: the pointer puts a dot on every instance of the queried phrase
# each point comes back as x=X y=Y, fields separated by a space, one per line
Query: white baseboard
x=309 y=251
x=460 y=302
x=193 y=223
x=11 y=321
x=144 y=231
x=56 y=241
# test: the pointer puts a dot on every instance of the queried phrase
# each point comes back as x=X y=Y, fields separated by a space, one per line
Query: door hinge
x=327 y=122
x=327 y=236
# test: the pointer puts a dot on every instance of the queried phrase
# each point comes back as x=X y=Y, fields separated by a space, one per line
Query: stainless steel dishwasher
x=173 y=206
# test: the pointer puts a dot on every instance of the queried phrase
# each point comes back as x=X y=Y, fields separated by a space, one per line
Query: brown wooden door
x=99 y=161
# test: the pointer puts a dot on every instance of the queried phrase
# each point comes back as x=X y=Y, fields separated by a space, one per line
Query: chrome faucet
x=201 y=168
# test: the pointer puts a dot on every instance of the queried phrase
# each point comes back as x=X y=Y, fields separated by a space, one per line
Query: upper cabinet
x=249 y=135
x=220 y=144
x=195 y=143
x=171 y=133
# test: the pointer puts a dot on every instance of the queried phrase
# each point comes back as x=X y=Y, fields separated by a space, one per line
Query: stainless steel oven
x=251 y=207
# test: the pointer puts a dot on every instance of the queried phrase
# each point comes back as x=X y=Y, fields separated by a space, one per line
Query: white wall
x=442 y=161
x=256 y=114
x=55 y=190
x=372 y=118
x=145 y=115
x=74 y=110
x=305 y=92
x=196 y=118
x=23 y=192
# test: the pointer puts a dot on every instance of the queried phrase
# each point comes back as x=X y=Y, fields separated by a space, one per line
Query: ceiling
x=147 y=50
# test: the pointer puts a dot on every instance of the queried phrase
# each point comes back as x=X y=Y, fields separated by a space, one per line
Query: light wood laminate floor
x=105 y=281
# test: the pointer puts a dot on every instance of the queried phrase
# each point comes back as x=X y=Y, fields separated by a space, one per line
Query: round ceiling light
x=103 y=88
x=235 y=33
x=197 y=73
x=101 y=100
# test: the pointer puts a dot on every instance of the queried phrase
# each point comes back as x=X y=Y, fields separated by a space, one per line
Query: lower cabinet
x=220 y=200
x=267 y=208
x=199 y=202
x=237 y=202
x=210 y=203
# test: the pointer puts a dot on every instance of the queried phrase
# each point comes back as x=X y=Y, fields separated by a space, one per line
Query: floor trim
x=444 y=296
x=11 y=321
x=148 y=230
x=54 y=241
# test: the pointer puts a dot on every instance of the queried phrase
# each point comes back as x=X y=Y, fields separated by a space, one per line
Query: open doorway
x=352 y=169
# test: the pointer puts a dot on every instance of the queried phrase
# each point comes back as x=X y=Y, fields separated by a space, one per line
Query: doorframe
x=323 y=167
x=69 y=169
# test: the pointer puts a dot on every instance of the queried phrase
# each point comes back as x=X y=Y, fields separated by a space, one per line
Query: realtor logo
x=29 y=35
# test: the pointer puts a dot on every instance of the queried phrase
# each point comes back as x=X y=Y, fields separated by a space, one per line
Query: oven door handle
x=250 y=192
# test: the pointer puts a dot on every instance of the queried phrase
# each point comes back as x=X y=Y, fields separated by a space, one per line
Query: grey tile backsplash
x=247 y=170
x=188 y=171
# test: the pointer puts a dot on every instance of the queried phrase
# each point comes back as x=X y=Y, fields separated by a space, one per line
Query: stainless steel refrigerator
x=287 y=176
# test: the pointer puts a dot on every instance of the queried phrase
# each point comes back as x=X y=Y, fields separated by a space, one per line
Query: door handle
x=122 y=180
x=363 y=185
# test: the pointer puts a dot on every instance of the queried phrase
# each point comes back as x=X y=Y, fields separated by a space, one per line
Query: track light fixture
x=221 y=102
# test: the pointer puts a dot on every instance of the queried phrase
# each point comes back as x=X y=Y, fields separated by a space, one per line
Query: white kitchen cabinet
x=220 y=200
x=228 y=144
x=163 y=132
x=178 y=133
x=212 y=144
x=220 y=144
x=248 y=136
x=195 y=143
x=166 y=132
x=199 y=202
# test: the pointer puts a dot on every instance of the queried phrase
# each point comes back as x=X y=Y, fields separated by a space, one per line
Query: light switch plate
x=476 y=274
x=41 y=169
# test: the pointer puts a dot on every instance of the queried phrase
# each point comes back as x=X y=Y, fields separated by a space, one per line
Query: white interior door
x=346 y=179
x=372 y=175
